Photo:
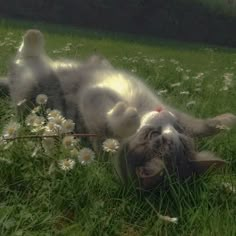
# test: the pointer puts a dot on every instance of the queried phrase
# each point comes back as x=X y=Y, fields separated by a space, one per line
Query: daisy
x=29 y=120
x=58 y=119
x=21 y=102
x=38 y=124
x=163 y=91
x=52 y=127
x=41 y=99
x=10 y=130
x=66 y=164
x=86 y=156
x=68 y=126
x=190 y=103
x=35 y=110
x=184 y=93
x=53 y=113
x=110 y=145
x=68 y=142
x=175 y=85
x=168 y=219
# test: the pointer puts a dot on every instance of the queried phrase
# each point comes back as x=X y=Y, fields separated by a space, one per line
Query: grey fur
x=115 y=104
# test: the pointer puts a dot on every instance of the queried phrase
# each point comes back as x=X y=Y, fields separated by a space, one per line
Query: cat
x=156 y=139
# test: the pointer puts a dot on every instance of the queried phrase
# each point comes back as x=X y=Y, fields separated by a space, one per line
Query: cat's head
x=160 y=148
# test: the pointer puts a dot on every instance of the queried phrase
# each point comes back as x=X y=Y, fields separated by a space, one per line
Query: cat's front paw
x=123 y=119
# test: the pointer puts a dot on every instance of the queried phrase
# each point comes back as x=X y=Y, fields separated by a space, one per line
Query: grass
x=90 y=200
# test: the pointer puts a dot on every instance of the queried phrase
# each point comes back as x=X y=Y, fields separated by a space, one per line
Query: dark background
x=176 y=19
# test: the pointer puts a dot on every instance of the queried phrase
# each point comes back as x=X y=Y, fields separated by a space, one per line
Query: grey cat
x=156 y=139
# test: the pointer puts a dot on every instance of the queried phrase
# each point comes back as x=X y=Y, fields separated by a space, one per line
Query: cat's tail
x=4 y=87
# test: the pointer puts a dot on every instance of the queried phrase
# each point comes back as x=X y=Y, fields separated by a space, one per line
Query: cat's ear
x=151 y=173
x=204 y=161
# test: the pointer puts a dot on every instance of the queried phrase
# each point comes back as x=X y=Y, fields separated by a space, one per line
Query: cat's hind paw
x=33 y=43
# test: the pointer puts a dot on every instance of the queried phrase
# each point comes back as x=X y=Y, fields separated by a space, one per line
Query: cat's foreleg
x=123 y=119
x=206 y=127
x=113 y=116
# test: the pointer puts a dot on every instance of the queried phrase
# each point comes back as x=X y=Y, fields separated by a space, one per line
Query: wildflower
x=68 y=126
x=179 y=69
x=10 y=130
x=68 y=142
x=229 y=187
x=41 y=99
x=169 y=219
x=160 y=92
x=175 y=85
x=66 y=164
x=36 y=150
x=200 y=75
x=52 y=127
x=56 y=51
x=110 y=145
x=29 y=120
x=37 y=122
x=185 y=77
x=191 y=103
x=174 y=61
x=184 y=93
x=53 y=113
x=35 y=110
x=58 y=120
x=86 y=156
x=21 y=102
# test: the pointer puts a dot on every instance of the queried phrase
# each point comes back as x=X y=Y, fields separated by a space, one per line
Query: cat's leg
x=206 y=127
x=104 y=112
x=32 y=45
x=123 y=119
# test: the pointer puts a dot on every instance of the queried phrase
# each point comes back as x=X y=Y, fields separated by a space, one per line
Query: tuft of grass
x=91 y=200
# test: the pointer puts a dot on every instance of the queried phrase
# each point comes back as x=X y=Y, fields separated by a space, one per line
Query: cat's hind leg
x=205 y=127
x=33 y=44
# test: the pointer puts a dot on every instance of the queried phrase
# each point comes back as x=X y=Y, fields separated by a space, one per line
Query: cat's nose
x=169 y=134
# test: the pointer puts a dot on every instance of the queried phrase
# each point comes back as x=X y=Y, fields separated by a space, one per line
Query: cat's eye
x=154 y=133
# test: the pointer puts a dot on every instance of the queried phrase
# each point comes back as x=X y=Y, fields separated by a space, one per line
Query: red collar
x=159 y=109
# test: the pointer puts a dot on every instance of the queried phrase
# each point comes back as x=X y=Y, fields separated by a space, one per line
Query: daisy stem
x=49 y=136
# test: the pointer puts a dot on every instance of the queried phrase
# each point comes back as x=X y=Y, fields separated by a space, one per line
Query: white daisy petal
x=41 y=99
x=66 y=164
x=111 y=145
x=86 y=156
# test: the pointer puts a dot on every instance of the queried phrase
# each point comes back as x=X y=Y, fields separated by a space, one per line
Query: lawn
x=37 y=198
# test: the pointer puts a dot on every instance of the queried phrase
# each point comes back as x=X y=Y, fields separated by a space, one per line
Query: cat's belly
x=116 y=82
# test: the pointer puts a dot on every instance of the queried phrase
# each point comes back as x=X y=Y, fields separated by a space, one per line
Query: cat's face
x=161 y=148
